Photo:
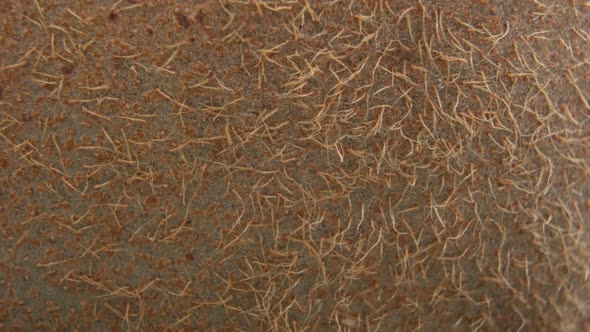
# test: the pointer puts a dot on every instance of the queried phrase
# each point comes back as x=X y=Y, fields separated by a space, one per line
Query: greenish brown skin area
x=296 y=165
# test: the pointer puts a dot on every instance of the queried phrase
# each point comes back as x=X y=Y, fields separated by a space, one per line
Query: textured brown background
x=294 y=165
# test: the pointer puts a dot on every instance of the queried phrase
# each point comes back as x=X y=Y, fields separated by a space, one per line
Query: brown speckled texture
x=294 y=165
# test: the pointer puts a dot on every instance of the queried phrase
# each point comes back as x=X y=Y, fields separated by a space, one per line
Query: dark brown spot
x=26 y=117
x=113 y=16
x=149 y=31
x=200 y=16
x=183 y=20
x=70 y=144
x=189 y=256
x=67 y=69
x=152 y=201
